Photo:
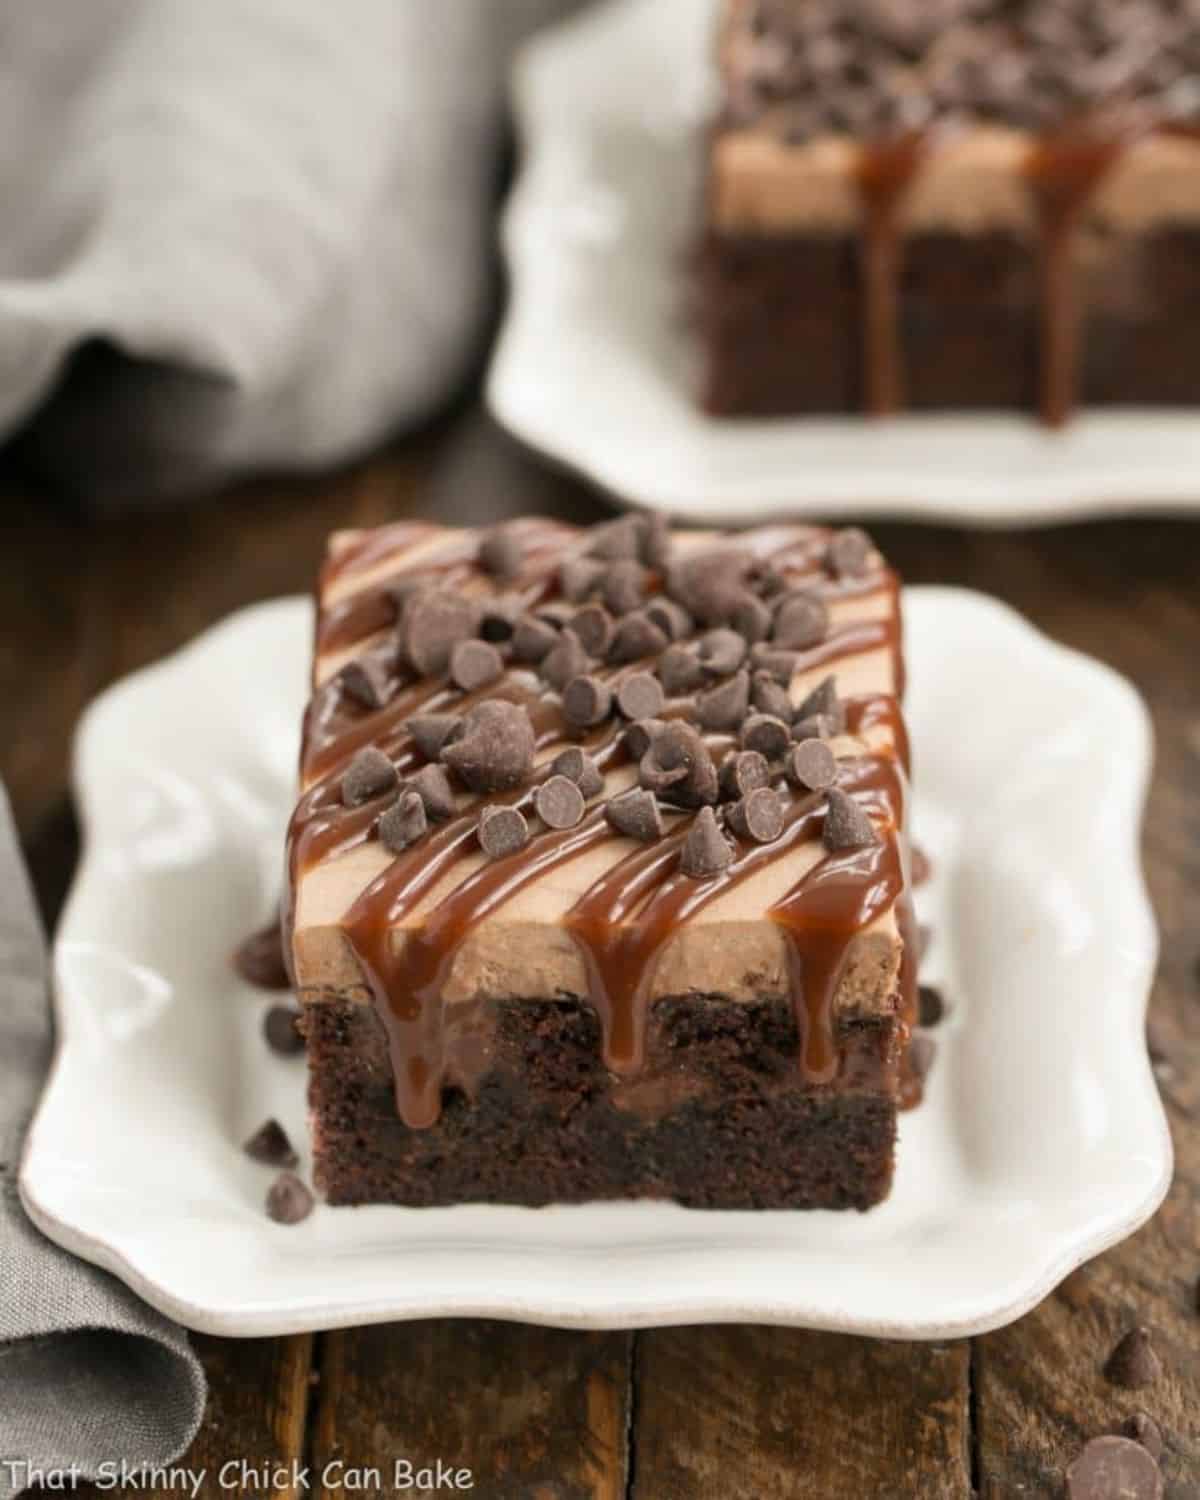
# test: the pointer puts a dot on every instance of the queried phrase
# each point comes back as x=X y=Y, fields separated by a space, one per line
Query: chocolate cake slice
x=598 y=882
x=917 y=204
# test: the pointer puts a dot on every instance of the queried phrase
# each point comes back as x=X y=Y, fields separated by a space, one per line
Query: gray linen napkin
x=88 y=1373
x=256 y=231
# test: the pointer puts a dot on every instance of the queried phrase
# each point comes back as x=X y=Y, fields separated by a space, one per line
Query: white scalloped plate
x=594 y=365
x=1041 y=1140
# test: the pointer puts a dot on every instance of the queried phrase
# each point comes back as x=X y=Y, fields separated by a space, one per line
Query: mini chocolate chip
x=568 y=659
x=801 y=621
x=625 y=586
x=781 y=665
x=617 y=541
x=434 y=623
x=586 y=701
x=848 y=552
x=559 y=802
x=270 y=1145
x=502 y=830
x=640 y=735
x=533 y=639
x=814 y=727
x=578 y=766
x=594 y=626
x=710 y=584
x=930 y=1006
x=920 y=1055
x=431 y=733
x=812 y=765
x=766 y=734
x=769 y=697
x=288 y=1200
x=365 y=681
x=475 y=664
x=725 y=707
x=679 y=670
x=722 y=651
x=671 y=618
x=636 y=814
x=1114 y=1468
x=823 y=700
x=368 y=775
x=579 y=578
x=706 y=850
x=403 y=823
x=498 y=619
x=433 y=787
x=655 y=540
x=1142 y=1428
x=1134 y=1362
x=281 y=1032
x=500 y=552
x=743 y=772
x=494 y=753
x=640 y=696
x=636 y=637
x=846 y=824
x=752 y=619
x=757 y=816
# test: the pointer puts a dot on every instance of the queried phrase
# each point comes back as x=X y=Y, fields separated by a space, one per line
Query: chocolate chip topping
x=635 y=814
x=846 y=824
x=502 y=830
x=281 y=1031
x=752 y=619
x=577 y=766
x=586 y=701
x=766 y=734
x=1114 y=1468
x=930 y=1006
x=706 y=851
x=568 y=659
x=637 y=636
x=1134 y=1362
x=710 y=584
x=849 y=552
x=434 y=622
x=657 y=778
x=594 y=626
x=431 y=733
x=640 y=735
x=404 y=822
x=800 y=621
x=288 y=1200
x=671 y=618
x=559 y=802
x=655 y=538
x=768 y=697
x=823 y=700
x=364 y=681
x=533 y=639
x=743 y=772
x=617 y=541
x=679 y=670
x=494 y=752
x=757 y=816
x=1143 y=1429
x=625 y=586
x=781 y=665
x=721 y=651
x=498 y=618
x=500 y=552
x=812 y=765
x=270 y=1145
x=724 y=707
x=640 y=696
x=814 y=727
x=474 y=665
x=433 y=787
x=678 y=746
x=579 y=578
x=370 y=774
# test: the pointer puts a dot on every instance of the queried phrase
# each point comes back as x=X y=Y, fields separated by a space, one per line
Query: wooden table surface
x=681 y=1413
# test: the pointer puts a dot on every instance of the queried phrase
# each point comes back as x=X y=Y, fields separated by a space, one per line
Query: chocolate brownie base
x=780 y=322
x=719 y=1118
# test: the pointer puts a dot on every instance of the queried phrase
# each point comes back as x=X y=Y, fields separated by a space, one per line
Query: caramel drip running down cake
x=916 y=204
x=598 y=882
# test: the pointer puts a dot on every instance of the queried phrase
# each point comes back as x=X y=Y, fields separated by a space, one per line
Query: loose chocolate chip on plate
x=566 y=660
x=752 y=619
x=579 y=578
x=431 y=733
x=721 y=651
x=743 y=772
x=559 y=803
x=474 y=665
x=500 y=552
x=578 y=766
x=725 y=707
x=434 y=623
x=848 y=553
x=679 y=670
x=758 y=816
x=625 y=586
x=288 y=1200
x=270 y=1145
x=1114 y=1468
x=586 y=701
x=533 y=638
x=801 y=621
x=636 y=637
x=365 y=681
x=1134 y=1362
x=769 y=697
x=766 y=734
x=640 y=735
x=706 y=850
x=812 y=765
x=502 y=830
x=846 y=824
x=930 y=1005
x=281 y=1032
x=403 y=823
x=671 y=618
x=433 y=787
x=594 y=626
x=640 y=696
x=822 y=700
x=370 y=774
x=636 y=814
x=1142 y=1428
x=494 y=752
